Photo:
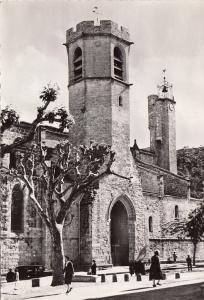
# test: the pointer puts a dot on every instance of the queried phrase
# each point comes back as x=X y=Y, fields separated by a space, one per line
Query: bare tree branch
x=34 y=200
x=120 y=176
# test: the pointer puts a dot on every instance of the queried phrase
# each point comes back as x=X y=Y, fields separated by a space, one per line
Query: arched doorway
x=119 y=235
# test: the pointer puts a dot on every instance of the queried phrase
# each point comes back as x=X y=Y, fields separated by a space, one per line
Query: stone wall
x=88 y=237
x=106 y=27
x=113 y=189
x=32 y=243
x=161 y=181
x=168 y=246
x=71 y=233
x=162 y=211
x=24 y=246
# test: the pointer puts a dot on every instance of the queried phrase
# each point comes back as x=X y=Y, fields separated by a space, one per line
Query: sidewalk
x=98 y=290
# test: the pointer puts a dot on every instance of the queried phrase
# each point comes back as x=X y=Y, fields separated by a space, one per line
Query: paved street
x=187 y=286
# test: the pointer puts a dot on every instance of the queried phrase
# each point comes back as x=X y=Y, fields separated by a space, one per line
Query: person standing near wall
x=16 y=278
x=155 y=270
x=69 y=272
x=10 y=276
x=174 y=256
x=93 y=267
x=189 y=263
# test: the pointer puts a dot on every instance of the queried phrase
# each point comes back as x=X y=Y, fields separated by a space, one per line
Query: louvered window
x=77 y=64
x=118 y=64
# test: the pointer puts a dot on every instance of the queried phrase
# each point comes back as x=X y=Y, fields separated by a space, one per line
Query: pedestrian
x=139 y=267
x=155 y=270
x=16 y=278
x=10 y=276
x=69 y=272
x=93 y=267
x=131 y=267
x=174 y=256
x=189 y=263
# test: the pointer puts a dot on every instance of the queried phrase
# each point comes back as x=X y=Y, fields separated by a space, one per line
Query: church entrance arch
x=119 y=235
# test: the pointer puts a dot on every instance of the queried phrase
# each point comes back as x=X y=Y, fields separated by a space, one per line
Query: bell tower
x=98 y=84
x=162 y=126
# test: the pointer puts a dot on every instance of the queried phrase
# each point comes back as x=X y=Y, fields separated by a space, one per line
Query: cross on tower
x=96 y=13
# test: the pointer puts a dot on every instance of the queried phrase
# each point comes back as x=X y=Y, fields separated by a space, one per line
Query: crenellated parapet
x=106 y=27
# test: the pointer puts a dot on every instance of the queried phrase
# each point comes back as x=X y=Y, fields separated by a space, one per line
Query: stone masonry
x=145 y=187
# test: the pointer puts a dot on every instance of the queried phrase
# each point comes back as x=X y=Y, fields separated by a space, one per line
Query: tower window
x=17 y=209
x=176 y=212
x=150 y=225
x=118 y=64
x=120 y=101
x=77 y=64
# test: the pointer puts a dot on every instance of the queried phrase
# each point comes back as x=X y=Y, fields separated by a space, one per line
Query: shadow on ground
x=187 y=292
x=41 y=296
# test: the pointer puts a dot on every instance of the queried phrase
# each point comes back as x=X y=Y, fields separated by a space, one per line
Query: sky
x=166 y=34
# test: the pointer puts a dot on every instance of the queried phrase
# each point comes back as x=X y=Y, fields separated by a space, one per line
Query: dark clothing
x=93 y=269
x=131 y=267
x=155 y=270
x=174 y=257
x=69 y=271
x=189 y=263
x=10 y=276
x=139 y=267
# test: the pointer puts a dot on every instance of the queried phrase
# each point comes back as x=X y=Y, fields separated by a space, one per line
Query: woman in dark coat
x=155 y=270
x=69 y=272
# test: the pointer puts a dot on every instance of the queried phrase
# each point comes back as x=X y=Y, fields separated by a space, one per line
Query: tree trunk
x=57 y=256
x=194 y=252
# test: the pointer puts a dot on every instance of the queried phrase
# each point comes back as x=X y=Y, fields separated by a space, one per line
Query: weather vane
x=96 y=13
x=165 y=89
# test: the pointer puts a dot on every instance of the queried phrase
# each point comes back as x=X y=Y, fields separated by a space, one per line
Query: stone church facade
x=126 y=212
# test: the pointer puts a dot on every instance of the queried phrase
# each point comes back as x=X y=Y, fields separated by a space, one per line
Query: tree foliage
x=58 y=116
x=190 y=162
x=8 y=118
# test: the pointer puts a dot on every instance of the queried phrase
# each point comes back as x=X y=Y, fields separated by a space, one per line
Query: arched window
x=176 y=212
x=17 y=209
x=150 y=225
x=120 y=102
x=118 y=64
x=77 y=64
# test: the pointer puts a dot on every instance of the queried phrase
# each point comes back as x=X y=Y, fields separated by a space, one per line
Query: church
x=127 y=212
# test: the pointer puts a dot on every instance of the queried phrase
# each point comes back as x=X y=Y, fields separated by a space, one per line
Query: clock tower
x=162 y=126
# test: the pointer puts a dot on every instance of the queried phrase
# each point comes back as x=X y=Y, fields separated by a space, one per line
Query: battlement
x=88 y=28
